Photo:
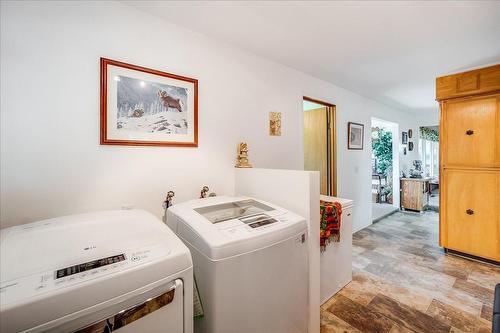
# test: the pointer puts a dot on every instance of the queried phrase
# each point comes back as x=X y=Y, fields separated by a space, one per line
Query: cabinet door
x=409 y=198
x=471 y=213
x=405 y=195
x=413 y=194
x=471 y=132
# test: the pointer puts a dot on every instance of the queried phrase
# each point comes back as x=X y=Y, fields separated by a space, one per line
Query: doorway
x=384 y=168
x=428 y=148
x=320 y=143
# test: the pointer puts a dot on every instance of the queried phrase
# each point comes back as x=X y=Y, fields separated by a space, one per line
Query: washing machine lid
x=233 y=210
x=221 y=227
x=56 y=261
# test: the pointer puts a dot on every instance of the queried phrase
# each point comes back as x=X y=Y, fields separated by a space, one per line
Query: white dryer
x=250 y=264
x=121 y=271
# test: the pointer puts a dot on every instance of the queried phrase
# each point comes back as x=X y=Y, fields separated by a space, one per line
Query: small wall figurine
x=275 y=123
x=242 y=158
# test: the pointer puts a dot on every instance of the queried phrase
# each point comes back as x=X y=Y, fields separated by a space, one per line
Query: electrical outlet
x=127 y=206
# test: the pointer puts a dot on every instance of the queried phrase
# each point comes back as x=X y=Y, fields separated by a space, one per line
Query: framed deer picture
x=146 y=107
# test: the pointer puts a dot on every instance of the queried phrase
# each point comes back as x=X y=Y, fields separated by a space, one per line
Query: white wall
x=427 y=118
x=51 y=160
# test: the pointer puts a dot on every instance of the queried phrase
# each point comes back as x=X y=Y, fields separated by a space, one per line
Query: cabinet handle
x=469 y=132
x=469 y=211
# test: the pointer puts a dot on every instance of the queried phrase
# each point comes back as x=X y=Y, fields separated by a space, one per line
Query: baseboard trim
x=385 y=215
x=471 y=257
x=433 y=208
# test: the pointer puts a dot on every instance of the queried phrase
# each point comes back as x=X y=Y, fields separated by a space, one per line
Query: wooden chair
x=378 y=184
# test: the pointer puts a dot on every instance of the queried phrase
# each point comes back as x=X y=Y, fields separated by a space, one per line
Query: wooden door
x=471 y=129
x=471 y=216
x=315 y=144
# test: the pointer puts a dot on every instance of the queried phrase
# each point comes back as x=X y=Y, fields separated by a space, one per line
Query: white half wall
x=297 y=191
x=51 y=160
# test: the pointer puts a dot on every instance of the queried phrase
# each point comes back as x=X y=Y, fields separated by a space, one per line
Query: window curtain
x=429 y=133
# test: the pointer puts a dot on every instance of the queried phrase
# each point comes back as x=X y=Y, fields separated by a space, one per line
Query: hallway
x=403 y=282
x=381 y=210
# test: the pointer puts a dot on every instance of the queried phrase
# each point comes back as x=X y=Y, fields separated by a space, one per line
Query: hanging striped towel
x=330 y=215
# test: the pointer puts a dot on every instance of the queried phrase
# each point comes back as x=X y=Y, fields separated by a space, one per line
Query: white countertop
x=425 y=179
x=342 y=201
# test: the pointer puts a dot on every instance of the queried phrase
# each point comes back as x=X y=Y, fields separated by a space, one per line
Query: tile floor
x=380 y=210
x=403 y=282
x=434 y=201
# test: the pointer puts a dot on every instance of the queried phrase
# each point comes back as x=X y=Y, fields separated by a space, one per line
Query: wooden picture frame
x=355 y=136
x=146 y=107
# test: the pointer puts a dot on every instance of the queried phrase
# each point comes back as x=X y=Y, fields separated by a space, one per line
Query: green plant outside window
x=382 y=150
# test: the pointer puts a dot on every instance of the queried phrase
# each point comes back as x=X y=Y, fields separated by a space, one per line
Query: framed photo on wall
x=404 y=138
x=146 y=107
x=355 y=134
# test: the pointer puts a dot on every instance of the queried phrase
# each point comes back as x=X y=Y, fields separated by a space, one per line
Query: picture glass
x=404 y=137
x=149 y=107
x=355 y=136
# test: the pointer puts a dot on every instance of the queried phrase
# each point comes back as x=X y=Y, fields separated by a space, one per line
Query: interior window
x=429 y=154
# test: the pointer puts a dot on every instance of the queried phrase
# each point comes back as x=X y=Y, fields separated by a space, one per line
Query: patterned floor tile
x=403 y=282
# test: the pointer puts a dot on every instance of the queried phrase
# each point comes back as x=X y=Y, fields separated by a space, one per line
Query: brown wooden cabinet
x=414 y=193
x=470 y=131
x=471 y=211
x=471 y=83
x=470 y=162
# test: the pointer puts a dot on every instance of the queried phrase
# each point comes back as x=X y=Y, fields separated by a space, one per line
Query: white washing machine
x=250 y=264
x=121 y=271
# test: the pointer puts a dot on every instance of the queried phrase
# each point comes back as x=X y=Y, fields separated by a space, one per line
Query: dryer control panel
x=79 y=272
x=257 y=223
x=258 y=220
x=90 y=265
